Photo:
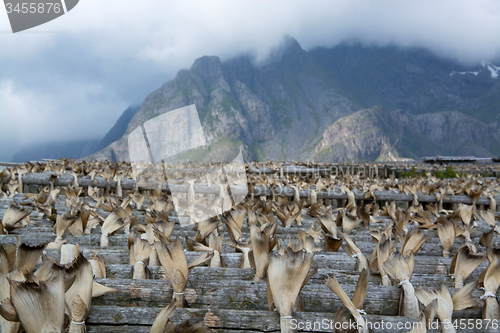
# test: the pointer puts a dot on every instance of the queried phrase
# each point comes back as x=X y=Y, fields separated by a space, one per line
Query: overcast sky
x=73 y=77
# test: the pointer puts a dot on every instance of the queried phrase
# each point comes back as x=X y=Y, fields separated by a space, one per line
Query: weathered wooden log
x=306 y=219
x=147 y=329
x=327 y=261
x=431 y=247
x=251 y=295
x=236 y=320
x=126 y=184
x=129 y=184
x=349 y=277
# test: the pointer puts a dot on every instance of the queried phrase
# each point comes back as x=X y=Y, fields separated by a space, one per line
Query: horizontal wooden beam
x=363 y=241
x=251 y=295
x=234 y=320
x=345 y=277
x=147 y=329
x=326 y=260
x=43 y=179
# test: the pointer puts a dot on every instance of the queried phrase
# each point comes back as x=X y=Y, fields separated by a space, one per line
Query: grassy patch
x=410 y=174
x=225 y=149
x=495 y=149
x=258 y=151
x=448 y=173
x=282 y=156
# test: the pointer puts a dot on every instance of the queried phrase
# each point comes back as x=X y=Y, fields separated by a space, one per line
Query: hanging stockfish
x=63 y=222
x=98 y=266
x=426 y=318
x=173 y=261
x=163 y=324
x=363 y=213
x=389 y=210
x=118 y=218
x=214 y=247
x=315 y=232
x=486 y=238
x=352 y=250
x=7 y=257
x=446 y=304
x=78 y=227
x=349 y=219
x=286 y=274
x=286 y=216
x=313 y=197
x=491 y=282
x=142 y=250
x=247 y=253
x=204 y=228
x=38 y=305
x=446 y=233
x=79 y=295
x=489 y=217
x=330 y=235
x=465 y=212
x=299 y=303
x=402 y=219
x=400 y=269
x=15 y=217
x=27 y=256
x=8 y=326
x=414 y=239
x=413 y=190
x=234 y=222
x=308 y=244
x=261 y=246
x=464 y=263
x=423 y=217
x=355 y=309
x=69 y=253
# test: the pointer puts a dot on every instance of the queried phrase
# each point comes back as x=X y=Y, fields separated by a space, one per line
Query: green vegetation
x=228 y=103
x=282 y=156
x=448 y=173
x=410 y=174
x=495 y=149
x=207 y=117
x=225 y=149
x=323 y=152
x=258 y=151
x=441 y=174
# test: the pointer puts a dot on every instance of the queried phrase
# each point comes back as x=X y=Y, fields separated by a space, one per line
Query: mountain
x=412 y=79
x=284 y=107
x=118 y=129
x=376 y=133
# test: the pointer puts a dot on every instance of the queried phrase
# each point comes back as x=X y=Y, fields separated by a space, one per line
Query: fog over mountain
x=333 y=104
x=72 y=78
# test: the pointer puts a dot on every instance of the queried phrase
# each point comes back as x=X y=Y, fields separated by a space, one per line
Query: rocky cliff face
x=367 y=134
x=285 y=108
